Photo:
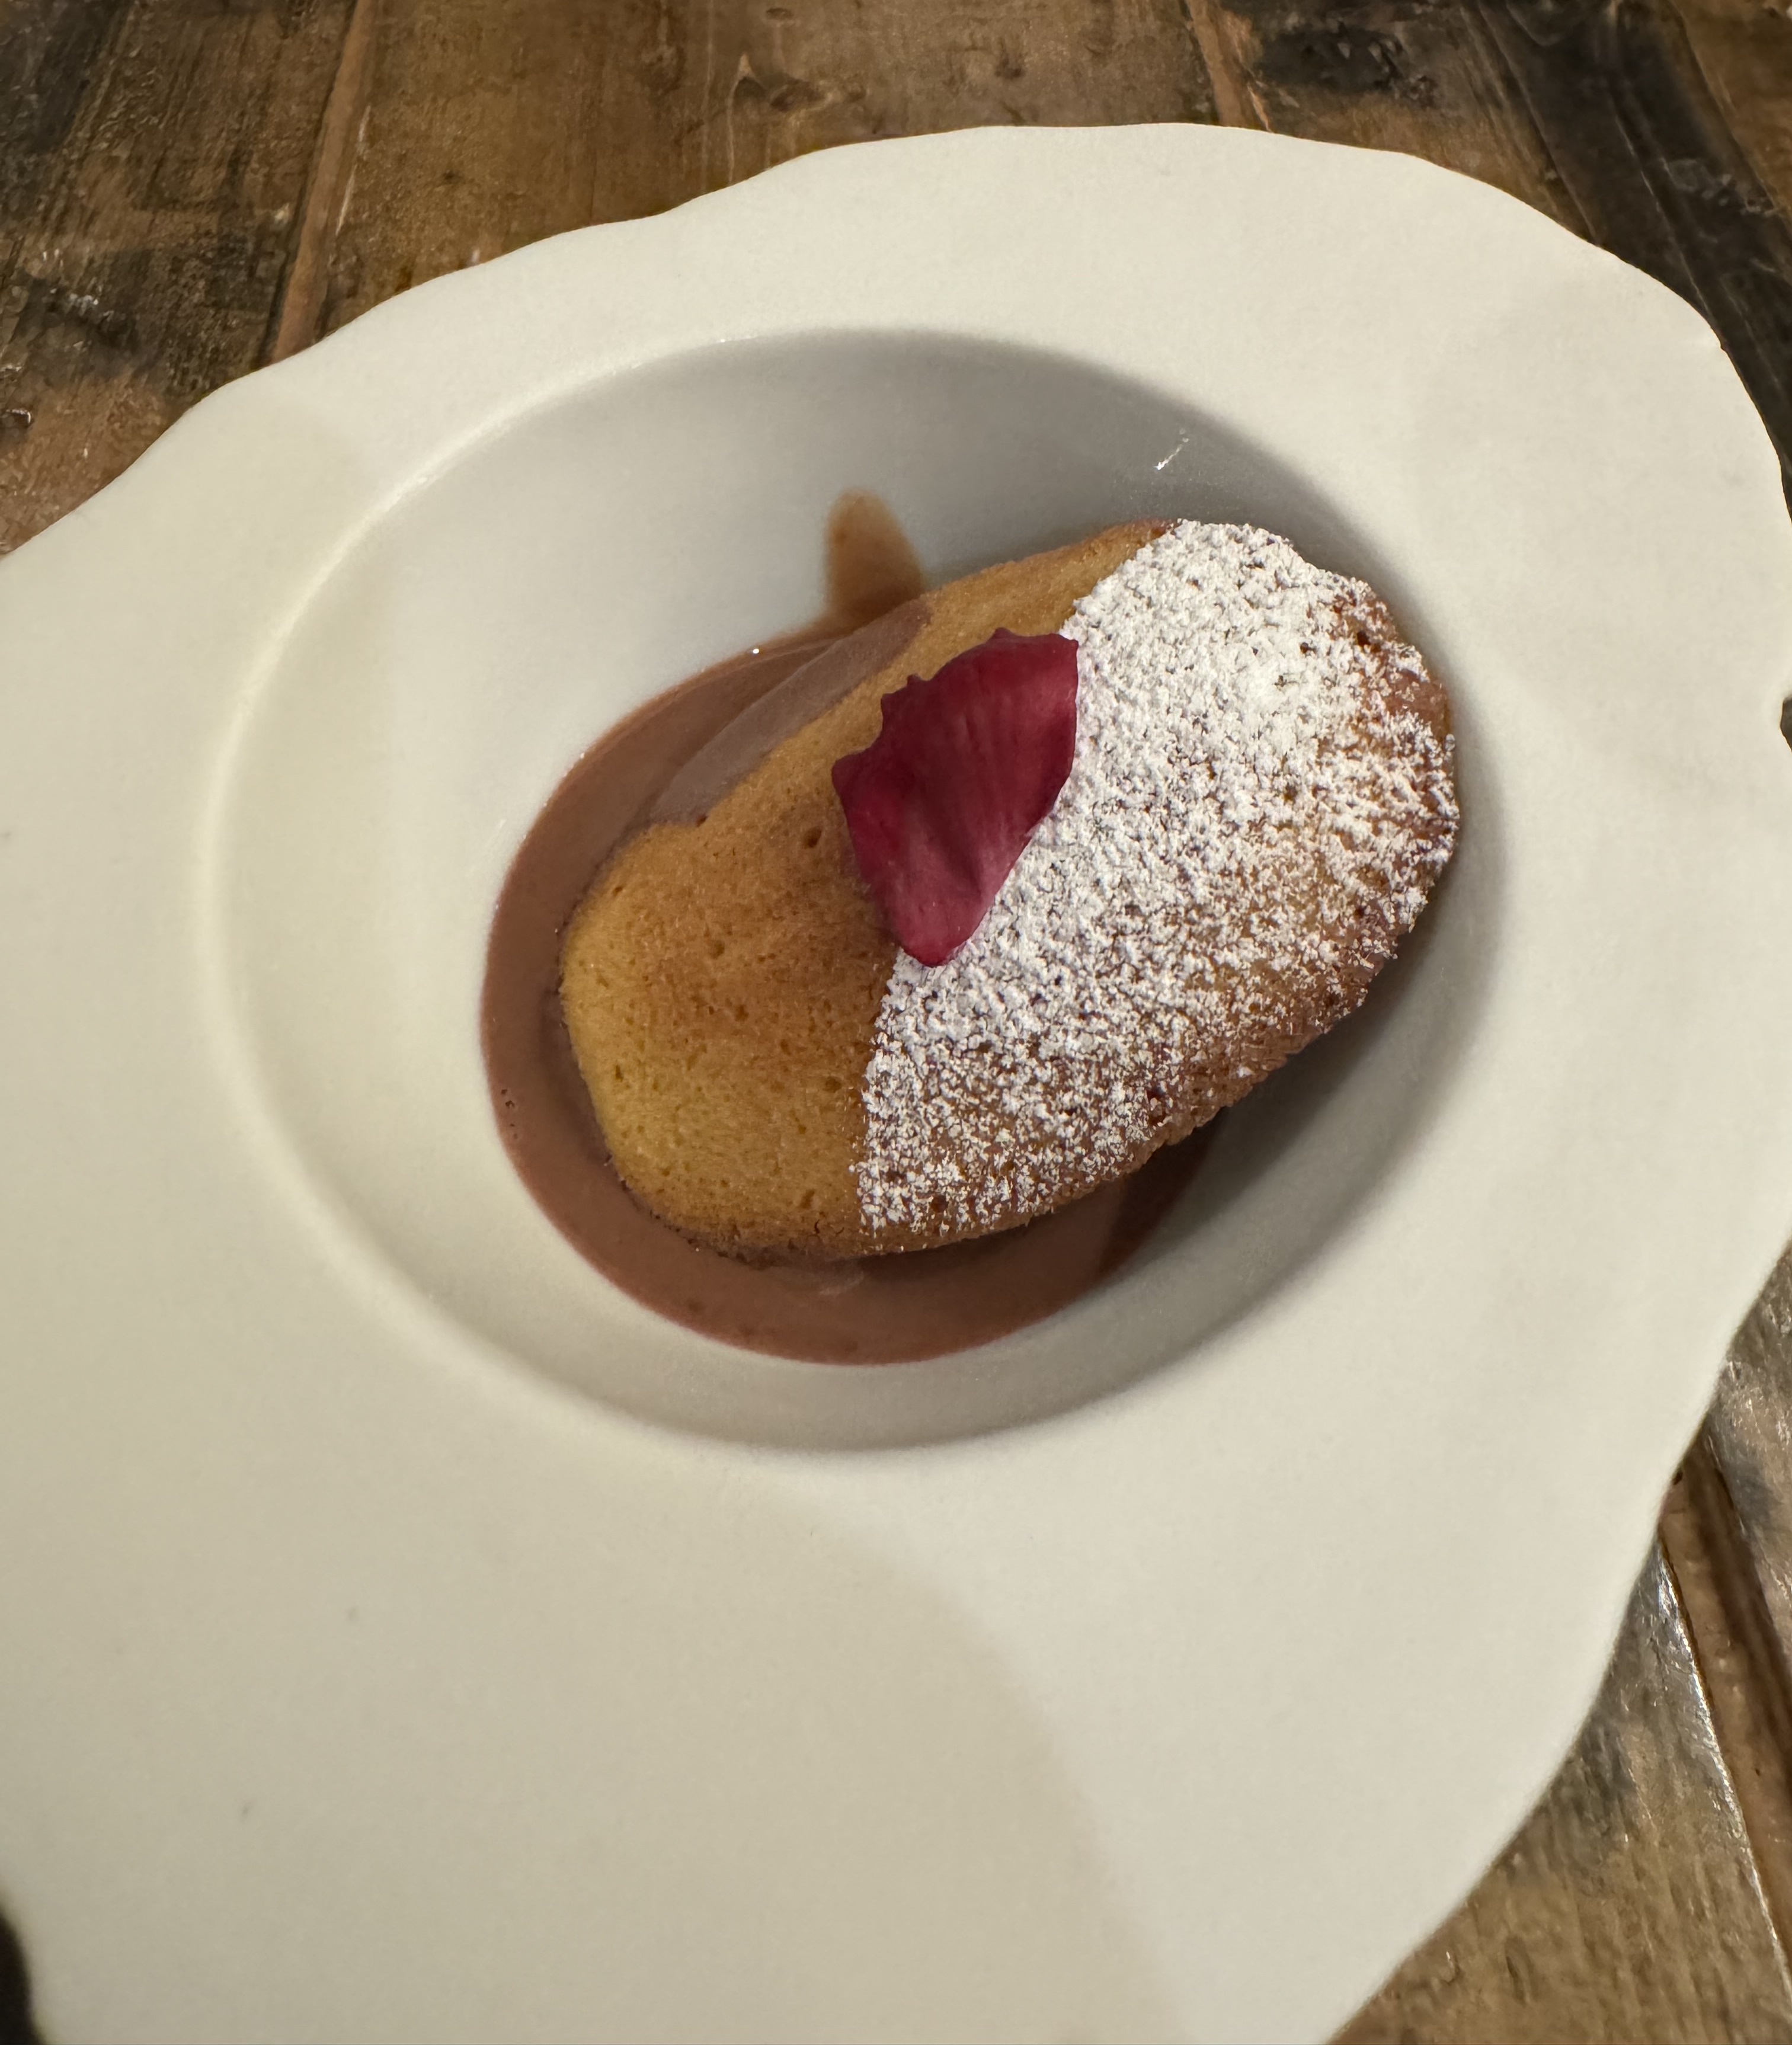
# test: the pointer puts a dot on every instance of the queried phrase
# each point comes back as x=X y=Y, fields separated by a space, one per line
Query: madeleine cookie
x=1242 y=794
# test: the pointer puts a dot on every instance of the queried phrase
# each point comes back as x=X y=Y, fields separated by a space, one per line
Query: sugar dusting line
x=1248 y=828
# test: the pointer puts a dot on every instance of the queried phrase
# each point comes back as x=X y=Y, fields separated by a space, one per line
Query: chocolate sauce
x=671 y=758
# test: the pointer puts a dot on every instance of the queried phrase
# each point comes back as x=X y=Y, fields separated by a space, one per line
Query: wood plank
x=299 y=319
x=1749 y=1432
x=153 y=157
x=1380 y=74
x=491 y=122
x=1744 y=1677
x=1629 y=1906
x=1743 y=49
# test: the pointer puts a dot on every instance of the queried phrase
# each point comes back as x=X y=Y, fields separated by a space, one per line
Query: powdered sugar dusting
x=1256 y=813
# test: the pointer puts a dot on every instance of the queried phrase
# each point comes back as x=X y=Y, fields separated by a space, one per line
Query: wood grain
x=1743 y=51
x=493 y=122
x=1380 y=74
x=1751 y=1700
x=1629 y=1907
x=153 y=154
x=300 y=316
x=1750 y=1435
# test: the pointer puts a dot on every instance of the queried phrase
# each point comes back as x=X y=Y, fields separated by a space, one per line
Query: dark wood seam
x=1747 y=1686
x=1233 y=101
x=299 y=308
x=1474 y=20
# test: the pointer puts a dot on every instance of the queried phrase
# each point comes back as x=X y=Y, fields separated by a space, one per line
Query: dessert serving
x=873 y=994
x=1006 y=892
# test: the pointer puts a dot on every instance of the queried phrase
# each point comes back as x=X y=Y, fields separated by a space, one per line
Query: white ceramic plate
x=408 y=1637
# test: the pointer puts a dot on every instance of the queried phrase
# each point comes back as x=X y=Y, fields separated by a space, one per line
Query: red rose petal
x=942 y=803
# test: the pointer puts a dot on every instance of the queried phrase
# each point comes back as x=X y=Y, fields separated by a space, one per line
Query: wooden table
x=190 y=188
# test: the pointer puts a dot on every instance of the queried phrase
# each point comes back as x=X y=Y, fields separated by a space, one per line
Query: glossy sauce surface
x=867 y=1310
